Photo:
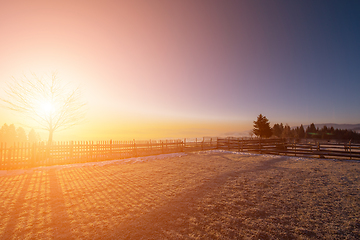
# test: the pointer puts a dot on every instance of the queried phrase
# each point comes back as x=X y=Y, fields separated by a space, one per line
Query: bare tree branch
x=52 y=105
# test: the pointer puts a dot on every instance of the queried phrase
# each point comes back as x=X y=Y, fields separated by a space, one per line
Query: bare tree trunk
x=51 y=133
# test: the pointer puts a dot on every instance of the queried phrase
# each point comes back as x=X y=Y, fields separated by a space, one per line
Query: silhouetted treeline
x=9 y=134
x=279 y=130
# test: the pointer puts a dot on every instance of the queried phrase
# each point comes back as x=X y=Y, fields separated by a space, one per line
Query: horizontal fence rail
x=28 y=155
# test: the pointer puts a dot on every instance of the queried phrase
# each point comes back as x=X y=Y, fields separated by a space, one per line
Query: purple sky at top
x=222 y=61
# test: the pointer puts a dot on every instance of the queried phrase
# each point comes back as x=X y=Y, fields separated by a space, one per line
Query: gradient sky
x=156 y=69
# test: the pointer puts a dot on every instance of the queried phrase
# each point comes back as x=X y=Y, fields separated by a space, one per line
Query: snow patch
x=238 y=153
x=272 y=156
x=102 y=163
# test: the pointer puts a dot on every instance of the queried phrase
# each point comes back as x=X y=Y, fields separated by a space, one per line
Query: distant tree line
x=10 y=134
x=262 y=129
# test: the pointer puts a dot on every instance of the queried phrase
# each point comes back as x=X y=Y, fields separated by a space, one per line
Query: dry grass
x=198 y=196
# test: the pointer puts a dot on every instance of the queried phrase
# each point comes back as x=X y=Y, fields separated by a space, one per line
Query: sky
x=174 y=69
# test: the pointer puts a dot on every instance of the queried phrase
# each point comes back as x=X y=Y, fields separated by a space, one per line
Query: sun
x=46 y=107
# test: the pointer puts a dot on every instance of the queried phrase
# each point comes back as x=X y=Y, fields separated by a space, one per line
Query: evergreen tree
x=295 y=132
x=287 y=132
x=301 y=132
x=311 y=130
x=21 y=135
x=33 y=137
x=278 y=129
x=324 y=132
x=262 y=127
x=3 y=131
x=10 y=136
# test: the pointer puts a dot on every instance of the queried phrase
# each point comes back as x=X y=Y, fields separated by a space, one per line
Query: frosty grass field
x=204 y=195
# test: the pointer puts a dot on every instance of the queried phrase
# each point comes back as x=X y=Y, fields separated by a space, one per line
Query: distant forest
x=9 y=134
x=281 y=131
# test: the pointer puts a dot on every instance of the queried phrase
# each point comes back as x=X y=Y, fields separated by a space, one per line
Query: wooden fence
x=26 y=155
x=249 y=145
x=283 y=147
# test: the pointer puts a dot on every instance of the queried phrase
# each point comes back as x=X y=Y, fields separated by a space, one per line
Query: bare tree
x=51 y=104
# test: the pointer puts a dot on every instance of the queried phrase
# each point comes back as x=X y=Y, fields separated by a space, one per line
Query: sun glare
x=46 y=107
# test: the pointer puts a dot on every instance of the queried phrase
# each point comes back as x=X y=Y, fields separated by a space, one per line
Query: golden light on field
x=210 y=196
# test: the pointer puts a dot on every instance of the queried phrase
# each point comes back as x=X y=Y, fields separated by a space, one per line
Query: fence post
x=318 y=149
x=110 y=148
x=16 y=154
x=350 y=149
x=1 y=159
x=217 y=143
x=71 y=150
x=150 y=146
x=8 y=156
x=33 y=157
x=91 y=145
x=26 y=155
x=134 y=152
x=260 y=145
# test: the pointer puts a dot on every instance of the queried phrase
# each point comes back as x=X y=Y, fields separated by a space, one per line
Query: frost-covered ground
x=102 y=163
x=204 y=195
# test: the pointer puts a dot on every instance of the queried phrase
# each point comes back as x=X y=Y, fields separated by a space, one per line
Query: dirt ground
x=205 y=195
